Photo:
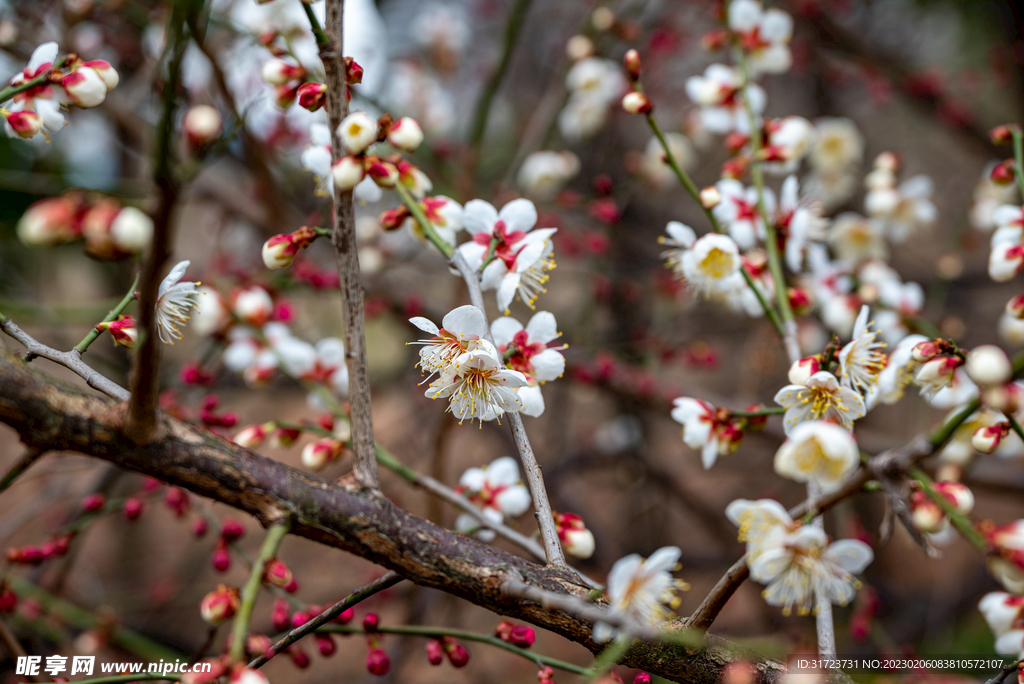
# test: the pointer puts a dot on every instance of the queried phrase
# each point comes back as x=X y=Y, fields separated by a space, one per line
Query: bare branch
x=344 y=239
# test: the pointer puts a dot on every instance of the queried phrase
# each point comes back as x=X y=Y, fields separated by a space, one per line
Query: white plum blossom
x=478 y=385
x=899 y=371
x=712 y=263
x=819 y=452
x=544 y=173
x=820 y=398
x=903 y=210
x=461 y=330
x=759 y=523
x=703 y=432
x=358 y=131
x=856 y=238
x=720 y=95
x=528 y=351
x=445 y=216
x=174 y=301
x=638 y=590
x=739 y=213
x=801 y=219
x=594 y=85
x=763 y=34
x=522 y=256
x=862 y=359
x=838 y=145
x=497 y=490
x=802 y=569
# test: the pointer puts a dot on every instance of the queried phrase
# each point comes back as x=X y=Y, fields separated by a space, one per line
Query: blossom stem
x=82 y=346
x=364 y=592
x=240 y=629
x=438 y=632
x=691 y=188
x=428 y=228
x=1018 y=155
x=771 y=239
x=30 y=456
x=10 y=91
x=489 y=255
x=1014 y=425
x=322 y=39
x=960 y=521
x=766 y=411
x=343 y=236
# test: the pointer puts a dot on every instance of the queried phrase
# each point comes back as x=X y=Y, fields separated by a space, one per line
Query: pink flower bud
x=202 y=125
x=279 y=614
x=457 y=654
x=107 y=73
x=8 y=600
x=632 y=64
x=277 y=574
x=285 y=94
x=377 y=662
x=217 y=670
x=133 y=508
x=346 y=616
x=1003 y=173
x=221 y=558
x=312 y=95
x=642 y=678
x=958 y=494
x=325 y=644
x=252 y=436
x=279 y=251
x=353 y=72
x=405 y=134
x=219 y=605
x=123 y=331
x=637 y=103
x=254 y=305
x=801 y=371
x=522 y=636
x=199 y=527
x=25 y=124
x=1001 y=135
x=278 y=72
x=385 y=174
x=925 y=514
x=1015 y=307
x=84 y=87
x=93 y=503
x=284 y=437
x=987 y=439
x=348 y=172
x=299 y=657
x=938 y=371
x=300 y=617
x=371 y=622
x=318 y=454
x=988 y=365
x=50 y=222
x=579 y=542
x=924 y=351
x=800 y=300
x=231 y=530
x=257 y=644
x=435 y=652
x=177 y=500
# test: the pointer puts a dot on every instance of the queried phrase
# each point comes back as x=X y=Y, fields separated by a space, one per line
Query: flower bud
x=312 y=95
x=348 y=172
x=371 y=622
x=1002 y=135
x=1008 y=398
x=714 y=40
x=254 y=305
x=107 y=73
x=377 y=662
x=358 y=131
x=710 y=197
x=579 y=543
x=253 y=436
x=84 y=87
x=637 y=103
x=632 y=64
x=579 y=47
x=318 y=454
x=405 y=134
x=278 y=72
x=800 y=300
x=231 y=530
x=924 y=351
x=803 y=369
x=958 y=494
x=177 y=500
x=216 y=671
x=939 y=371
x=1003 y=173
x=221 y=558
x=133 y=508
x=199 y=528
x=93 y=503
x=202 y=125
x=131 y=230
x=988 y=365
x=522 y=636
x=299 y=657
x=926 y=515
x=642 y=678
x=435 y=652
x=457 y=654
x=219 y=605
x=25 y=124
x=385 y=174
x=353 y=72
x=123 y=331
x=279 y=251
x=1015 y=307
x=279 y=614
x=284 y=437
x=987 y=439
x=325 y=644
x=277 y=574
x=546 y=675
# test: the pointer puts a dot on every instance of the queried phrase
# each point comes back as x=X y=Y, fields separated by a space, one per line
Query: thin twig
x=344 y=238
x=364 y=592
x=240 y=629
x=83 y=346
x=13 y=646
x=30 y=456
x=69 y=360
x=10 y=91
x=145 y=382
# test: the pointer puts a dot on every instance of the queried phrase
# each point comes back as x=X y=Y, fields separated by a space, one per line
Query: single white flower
x=739 y=213
x=528 y=351
x=803 y=569
x=462 y=329
x=855 y=238
x=478 y=385
x=838 y=145
x=712 y=263
x=497 y=490
x=720 y=95
x=174 y=302
x=703 y=431
x=358 y=131
x=638 y=590
x=1003 y=612
x=759 y=523
x=899 y=370
x=820 y=452
x=544 y=173
x=763 y=34
x=820 y=398
x=862 y=359
x=445 y=216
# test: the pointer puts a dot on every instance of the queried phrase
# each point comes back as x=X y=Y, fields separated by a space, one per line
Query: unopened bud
x=924 y=351
x=133 y=508
x=405 y=134
x=385 y=174
x=1008 y=398
x=958 y=494
x=803 y=369
x=377 y=662
x=988 y=365
x=799 y=300
x=710 y=197
x=123 y=331
x=279 y=251
x=371 y=622
x=714 y=40
x=231 y=530
x=579 y=542
x=1003 y=173
x=457 y=654
x=987 y=439
x=348 y=172
x=252 y=436
x=278 y=72
x=522 y=636
x=353 y=72
x=318 y=454
x=219 y=605
x=579 y=47
x=311 y=95
x=25 y=124
x=93 y=503
x=325 y=644
x=1002 y=135
x=84 y=87
x=926 y=515
x=107 y=73
x=642 y=678
x=202 y=124
x=633 y=64
x=435 y=652
x=637 y=103
x=276 y=573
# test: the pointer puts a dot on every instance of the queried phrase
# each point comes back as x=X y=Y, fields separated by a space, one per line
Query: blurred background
x=925 y=80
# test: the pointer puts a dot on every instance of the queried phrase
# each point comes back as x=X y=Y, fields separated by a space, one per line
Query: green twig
x=425 y=224
x=112 y=315
x=10 y=91
x=1015 y=425
x=322 y=39
x=765 y=411
x=240 y=629
x=1018 y=155
x=30 y=456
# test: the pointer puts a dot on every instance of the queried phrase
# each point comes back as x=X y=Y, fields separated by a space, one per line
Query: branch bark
x=48 y=415
x=344 y=239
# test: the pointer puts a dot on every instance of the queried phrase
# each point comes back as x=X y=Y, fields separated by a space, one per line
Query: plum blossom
x=461 y=330
x=819 y=452
x=838 y=145
x=763 y=34
x=801 y=568
x=856 y=238
x=594 y=85
x=713 y=263
x=739 y=213
x=759 y=522
x=174 y=301
x=522 y=256
x=720 y=94
x=497 y=490
x=478 y=385
x=819 y=398
x=800 y=220
x=44 y=100
x=638 y=590
x=528 y=351
x=898 y=372
x=704 y=430
x=544 y=173
x=862 y=359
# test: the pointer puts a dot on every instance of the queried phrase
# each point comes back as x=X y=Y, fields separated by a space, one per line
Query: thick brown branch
x=344 y=239
x=49 y=415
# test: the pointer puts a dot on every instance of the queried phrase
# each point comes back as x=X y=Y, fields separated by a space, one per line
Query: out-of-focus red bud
x=377 y=662
x=435 y=652
x=633 y=64
x=133 y=508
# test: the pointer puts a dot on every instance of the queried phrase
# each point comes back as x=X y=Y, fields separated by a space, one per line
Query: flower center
x=717 y=263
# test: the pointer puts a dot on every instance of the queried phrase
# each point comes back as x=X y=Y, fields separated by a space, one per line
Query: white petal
x=504 y=329
x=466 y=321
x=548 y=365
x=507 y=290
x=518 y=214
x=503 y=471
x=479 y=217
x=542 y=327
x=425 y=324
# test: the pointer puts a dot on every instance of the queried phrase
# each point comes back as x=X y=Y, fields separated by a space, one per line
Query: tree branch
x=344 y=239
x=49 y=415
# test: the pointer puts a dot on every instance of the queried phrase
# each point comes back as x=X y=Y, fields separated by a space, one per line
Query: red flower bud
x=299 y=657
x=312 y=96
x=326 y=644
x=221 y=558
x=277 y=574
x=279 y=614
x=522 y=636
x=435 y=652
x=199 y=527
x=231 y=530
x=371 y=622
x=1002 y=135
x=1003 y=174
x=642 y=678
x=133 y=508
x=377 y=662
x=346 y=616
x=300 y=618
x=93 y=502
x=177 y=500
x=457 y=654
